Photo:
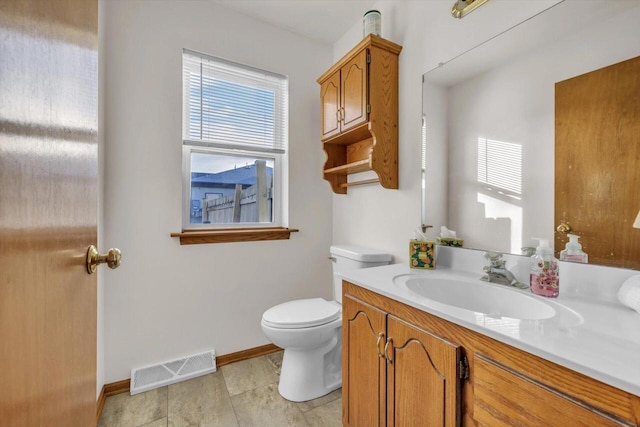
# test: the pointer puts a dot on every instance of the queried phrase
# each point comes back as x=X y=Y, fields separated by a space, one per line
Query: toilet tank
x=350 y=257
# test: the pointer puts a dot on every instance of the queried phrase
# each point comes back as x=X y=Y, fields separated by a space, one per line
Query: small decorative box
x=447 y=241
x=422 y=254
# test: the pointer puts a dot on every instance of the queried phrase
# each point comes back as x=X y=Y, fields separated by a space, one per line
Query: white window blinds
x=228 y=105
x=500 y=164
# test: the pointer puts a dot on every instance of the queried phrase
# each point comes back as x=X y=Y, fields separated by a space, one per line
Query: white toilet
x=310 y=331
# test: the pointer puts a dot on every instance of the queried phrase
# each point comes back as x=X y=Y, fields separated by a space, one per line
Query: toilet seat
x=302 y=313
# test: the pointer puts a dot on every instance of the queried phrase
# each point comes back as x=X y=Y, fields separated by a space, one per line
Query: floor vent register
x=150 y=377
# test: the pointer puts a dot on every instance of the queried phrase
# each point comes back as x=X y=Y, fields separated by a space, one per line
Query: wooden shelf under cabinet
x=359 y=106
x=349 y=168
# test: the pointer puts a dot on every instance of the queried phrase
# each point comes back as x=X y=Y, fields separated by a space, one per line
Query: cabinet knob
x=564 y=228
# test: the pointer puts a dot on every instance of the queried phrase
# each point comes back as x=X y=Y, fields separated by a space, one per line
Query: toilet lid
x=302 y=313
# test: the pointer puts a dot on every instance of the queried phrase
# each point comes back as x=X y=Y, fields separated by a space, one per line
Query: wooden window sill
x=197 y=237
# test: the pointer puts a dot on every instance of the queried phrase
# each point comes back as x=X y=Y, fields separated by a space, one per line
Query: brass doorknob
x=564 y=228
x=111 y=258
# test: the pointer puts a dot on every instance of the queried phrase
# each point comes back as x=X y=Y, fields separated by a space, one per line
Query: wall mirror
x=488 y=124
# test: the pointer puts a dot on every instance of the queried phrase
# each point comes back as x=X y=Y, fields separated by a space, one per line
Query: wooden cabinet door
x=363 y=370
x=422 y=377
x=354 y=91
x=329 y=105
x=505 y=397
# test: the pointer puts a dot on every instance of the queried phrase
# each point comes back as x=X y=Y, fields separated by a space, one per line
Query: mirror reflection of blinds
x=229 y=105
x=423 y=160
x=500 y=164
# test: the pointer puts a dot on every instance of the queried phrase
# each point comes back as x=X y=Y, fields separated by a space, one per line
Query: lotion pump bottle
x=544 y=277
x=573 y=251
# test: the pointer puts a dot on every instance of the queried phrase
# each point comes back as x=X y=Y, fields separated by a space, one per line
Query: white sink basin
x=475 y=295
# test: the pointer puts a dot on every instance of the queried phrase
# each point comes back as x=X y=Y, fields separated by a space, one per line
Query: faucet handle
x=495 y=258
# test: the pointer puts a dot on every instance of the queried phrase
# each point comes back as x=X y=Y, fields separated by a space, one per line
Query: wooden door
x=363 y=370
x=597 y=155
x=354 y=91
x=330 y=105
x=422 y=378
x=48 y=186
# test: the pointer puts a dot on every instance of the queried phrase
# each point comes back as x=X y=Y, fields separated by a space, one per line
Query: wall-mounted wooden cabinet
x=359 y=114
x=399 y=361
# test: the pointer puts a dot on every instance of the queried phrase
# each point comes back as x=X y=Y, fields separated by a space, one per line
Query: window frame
x=276 y=219
x=279 y=154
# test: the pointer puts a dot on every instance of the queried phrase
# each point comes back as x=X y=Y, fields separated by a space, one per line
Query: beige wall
x=168 y=300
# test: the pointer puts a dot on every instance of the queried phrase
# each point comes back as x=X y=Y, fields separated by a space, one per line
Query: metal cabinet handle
x=380 y=338
x=112 y=258
x=386 y=352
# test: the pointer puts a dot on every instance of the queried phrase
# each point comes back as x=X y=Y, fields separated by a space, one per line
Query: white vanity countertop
x=598 y=339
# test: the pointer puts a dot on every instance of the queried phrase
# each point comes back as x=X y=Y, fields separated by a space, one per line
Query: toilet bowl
x=310 y=331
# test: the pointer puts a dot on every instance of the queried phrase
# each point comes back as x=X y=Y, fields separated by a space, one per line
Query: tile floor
x=240 y=394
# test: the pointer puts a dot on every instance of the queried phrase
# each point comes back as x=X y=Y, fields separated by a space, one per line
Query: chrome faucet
x=498 y=273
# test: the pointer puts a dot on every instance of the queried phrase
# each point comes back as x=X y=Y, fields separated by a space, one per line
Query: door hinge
x=463 y=369
x=368 y=108
x=368 y=58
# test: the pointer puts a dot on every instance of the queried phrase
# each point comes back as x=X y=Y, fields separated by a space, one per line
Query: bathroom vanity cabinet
x=403 y=366
x=359 y=114
x=410 y=374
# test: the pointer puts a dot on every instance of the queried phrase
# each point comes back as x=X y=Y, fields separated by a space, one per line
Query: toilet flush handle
x=333 y=259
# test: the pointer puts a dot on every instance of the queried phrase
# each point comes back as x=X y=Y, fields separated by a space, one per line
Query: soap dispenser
x=573 y=251
x=544 y=277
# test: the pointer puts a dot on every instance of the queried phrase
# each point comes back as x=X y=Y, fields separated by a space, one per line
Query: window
x=235 y=122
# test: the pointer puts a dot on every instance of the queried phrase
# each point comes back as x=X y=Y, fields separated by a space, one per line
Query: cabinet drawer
x=505 y=397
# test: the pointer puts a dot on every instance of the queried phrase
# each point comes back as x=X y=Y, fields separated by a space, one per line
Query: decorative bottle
x=545 y=273
x=573 y=251
x=372 y=23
